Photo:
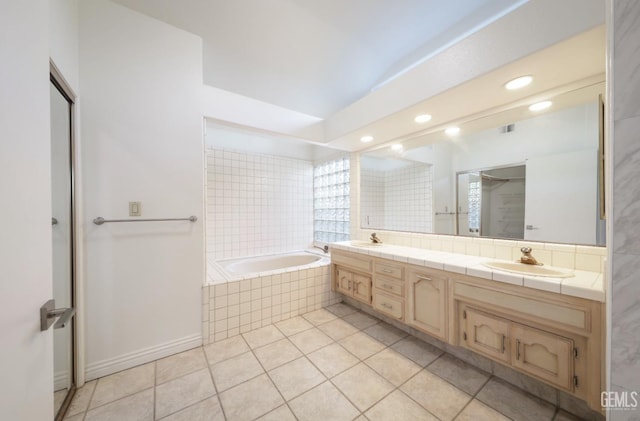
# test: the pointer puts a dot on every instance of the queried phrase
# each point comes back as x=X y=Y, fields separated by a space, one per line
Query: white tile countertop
x=584 y=284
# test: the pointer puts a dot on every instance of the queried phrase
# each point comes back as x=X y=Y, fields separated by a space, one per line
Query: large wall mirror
x=516 y=174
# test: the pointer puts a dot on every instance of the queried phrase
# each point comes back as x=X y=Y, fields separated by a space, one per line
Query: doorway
x=63 y=246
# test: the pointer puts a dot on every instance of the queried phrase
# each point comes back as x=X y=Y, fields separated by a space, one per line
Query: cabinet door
x=543 y=354
x=344 y=282
x=485 y=334
x=427 y=304
x=362 y=288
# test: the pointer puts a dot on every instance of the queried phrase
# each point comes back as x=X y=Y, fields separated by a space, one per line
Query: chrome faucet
x=374 y=238
x=527 y=258
x=325 y=248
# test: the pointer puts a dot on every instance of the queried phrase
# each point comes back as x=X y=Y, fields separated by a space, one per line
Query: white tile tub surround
x=257 y=204
x=584 y=284
x=240 y=306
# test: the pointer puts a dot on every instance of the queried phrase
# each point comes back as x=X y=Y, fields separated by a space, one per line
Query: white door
x=26 y=353
x=561 y=198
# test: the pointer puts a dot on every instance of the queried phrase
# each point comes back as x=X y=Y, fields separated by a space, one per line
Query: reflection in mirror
x=396 y=194
x=491 y=202
x=513 y=174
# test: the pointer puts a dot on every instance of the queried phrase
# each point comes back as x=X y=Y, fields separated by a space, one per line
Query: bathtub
x=248 y=267
x=244 y=294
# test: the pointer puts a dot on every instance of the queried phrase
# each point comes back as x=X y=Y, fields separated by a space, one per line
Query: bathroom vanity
x=528 y=323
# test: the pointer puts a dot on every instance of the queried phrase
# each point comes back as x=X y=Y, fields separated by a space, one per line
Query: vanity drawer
x=355 y=262
x=391 y=306
x=388 y=269
x=390 y=286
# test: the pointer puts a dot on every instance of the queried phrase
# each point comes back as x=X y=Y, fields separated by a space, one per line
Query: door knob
x=49 y=312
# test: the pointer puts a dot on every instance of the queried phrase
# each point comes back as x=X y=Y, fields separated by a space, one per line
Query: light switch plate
x=135 y=208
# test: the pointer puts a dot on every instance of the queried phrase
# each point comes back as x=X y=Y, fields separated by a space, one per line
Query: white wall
x=257 y=204
x=142 y=141
x=63 y=39
x=26 y=372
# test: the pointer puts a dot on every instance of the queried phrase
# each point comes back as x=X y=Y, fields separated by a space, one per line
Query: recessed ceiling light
x=518 y=83
x=539 y=106
x=452 y=131
x=366 y=139
x=422 y=118
x=396 y=147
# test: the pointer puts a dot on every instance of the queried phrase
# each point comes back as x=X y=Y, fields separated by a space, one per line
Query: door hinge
x=575 y=352
x=575 y=381
x=464 y=314
x=464 y=335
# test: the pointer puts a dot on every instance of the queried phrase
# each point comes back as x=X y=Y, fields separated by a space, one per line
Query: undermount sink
x=534 y=270
x=359 y=243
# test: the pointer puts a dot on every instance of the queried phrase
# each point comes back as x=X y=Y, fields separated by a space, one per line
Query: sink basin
x=533 y=270
x=359 y=243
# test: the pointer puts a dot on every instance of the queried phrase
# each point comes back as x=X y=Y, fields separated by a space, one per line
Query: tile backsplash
x=257 y=204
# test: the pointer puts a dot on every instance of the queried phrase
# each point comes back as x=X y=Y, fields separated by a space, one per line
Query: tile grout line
x=84 y=414
x=286 y=402
x=215 y=388
x=362 y=361
x=473 y=397
x=155 y=380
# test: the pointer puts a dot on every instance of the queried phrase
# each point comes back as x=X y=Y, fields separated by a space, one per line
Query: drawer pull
x=385 y=305
x=517 y=349
x=503 y=343
x=385 y=270
x=424 y=278
x=387 y=286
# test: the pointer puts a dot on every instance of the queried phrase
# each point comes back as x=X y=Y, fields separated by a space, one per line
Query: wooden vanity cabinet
x=427 y=298
x=555 y=338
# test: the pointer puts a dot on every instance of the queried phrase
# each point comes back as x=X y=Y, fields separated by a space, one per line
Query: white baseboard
x=60 y=380
x=132 y=359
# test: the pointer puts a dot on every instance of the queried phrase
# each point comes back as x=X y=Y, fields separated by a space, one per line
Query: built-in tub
x=259 y=264
x=245 y=294
x=248 y=267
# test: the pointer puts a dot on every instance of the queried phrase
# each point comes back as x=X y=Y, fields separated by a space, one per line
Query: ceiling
x=573 y=63
x=318 y=56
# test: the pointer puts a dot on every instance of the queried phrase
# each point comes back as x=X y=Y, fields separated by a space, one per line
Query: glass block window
x=331 y=200
x=474 y=205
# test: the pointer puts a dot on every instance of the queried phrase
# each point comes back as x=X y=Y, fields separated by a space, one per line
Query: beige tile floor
x=331 y=364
